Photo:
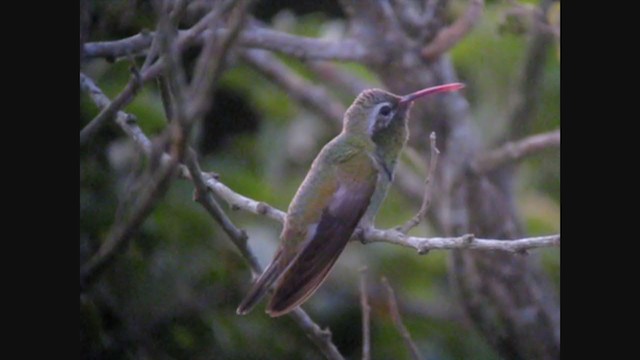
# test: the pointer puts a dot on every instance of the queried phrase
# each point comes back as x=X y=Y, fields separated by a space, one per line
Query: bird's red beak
x=407 y=99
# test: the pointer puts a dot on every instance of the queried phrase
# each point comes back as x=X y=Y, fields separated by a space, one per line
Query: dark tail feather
x=259 y=288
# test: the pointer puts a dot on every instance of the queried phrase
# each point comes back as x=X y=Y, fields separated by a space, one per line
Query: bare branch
x=309 y=95
x=110 y=109
x=300 y=47
x=451 y=35
x=366 y=311
x=126 y=121
x=237 y=201
x=303 y=48
x=202 y=196
x=516 y=150
x=321 y=338
x=211 y=60
x=428 y=186
x=397 y=321
x=392 y=236
x=127 y=95
x=134 y=45
x=468 y=241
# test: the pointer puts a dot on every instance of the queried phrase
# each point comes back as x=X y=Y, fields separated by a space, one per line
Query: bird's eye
x=385 y=110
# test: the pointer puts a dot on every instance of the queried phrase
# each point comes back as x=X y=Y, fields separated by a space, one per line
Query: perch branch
x=366 y=311
x=516 y=150
x=448 y=37
x=421 y=244
x=428 y=188
x=397 y=321
x=467 y=241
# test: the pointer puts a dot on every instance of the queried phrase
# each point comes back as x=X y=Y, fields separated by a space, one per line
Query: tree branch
x=134 y=45
x=397 y=321
x=203 y=196
x=126 y=121
x=321 y=338
x=300 y=47
x=111 y=108
x=516 y=150
x=467 y=241
x=211 y=61
x=450 y=36
x=393 y=236
x=304 y=48
x=428 y=186
x=366 y=311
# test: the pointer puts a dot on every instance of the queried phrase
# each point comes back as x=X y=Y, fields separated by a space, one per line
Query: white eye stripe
x=373 y=116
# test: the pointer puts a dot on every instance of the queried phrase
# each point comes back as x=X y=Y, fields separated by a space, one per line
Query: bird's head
x=375 y=110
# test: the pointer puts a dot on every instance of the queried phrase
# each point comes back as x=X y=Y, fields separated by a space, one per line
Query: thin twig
x=128 y=93
x=428 y=188
x=397 y=321
x=516 y=150
x=107 y=112
x=450 y=36
x=320 y=337
x=366 y=311
x=300 y=47
x=210 y=63
x=126 y=121
x=204 y=197
x=133 y=45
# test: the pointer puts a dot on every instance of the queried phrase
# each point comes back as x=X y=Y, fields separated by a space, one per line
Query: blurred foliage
x=173 y=293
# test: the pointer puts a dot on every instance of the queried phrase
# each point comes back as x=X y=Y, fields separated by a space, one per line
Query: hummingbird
x=345 y=186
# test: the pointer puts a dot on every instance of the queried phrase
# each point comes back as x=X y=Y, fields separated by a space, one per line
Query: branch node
x=235 y=207
x=262 y=208
x=130 y=119
x=468 y=239
x=359 y=234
